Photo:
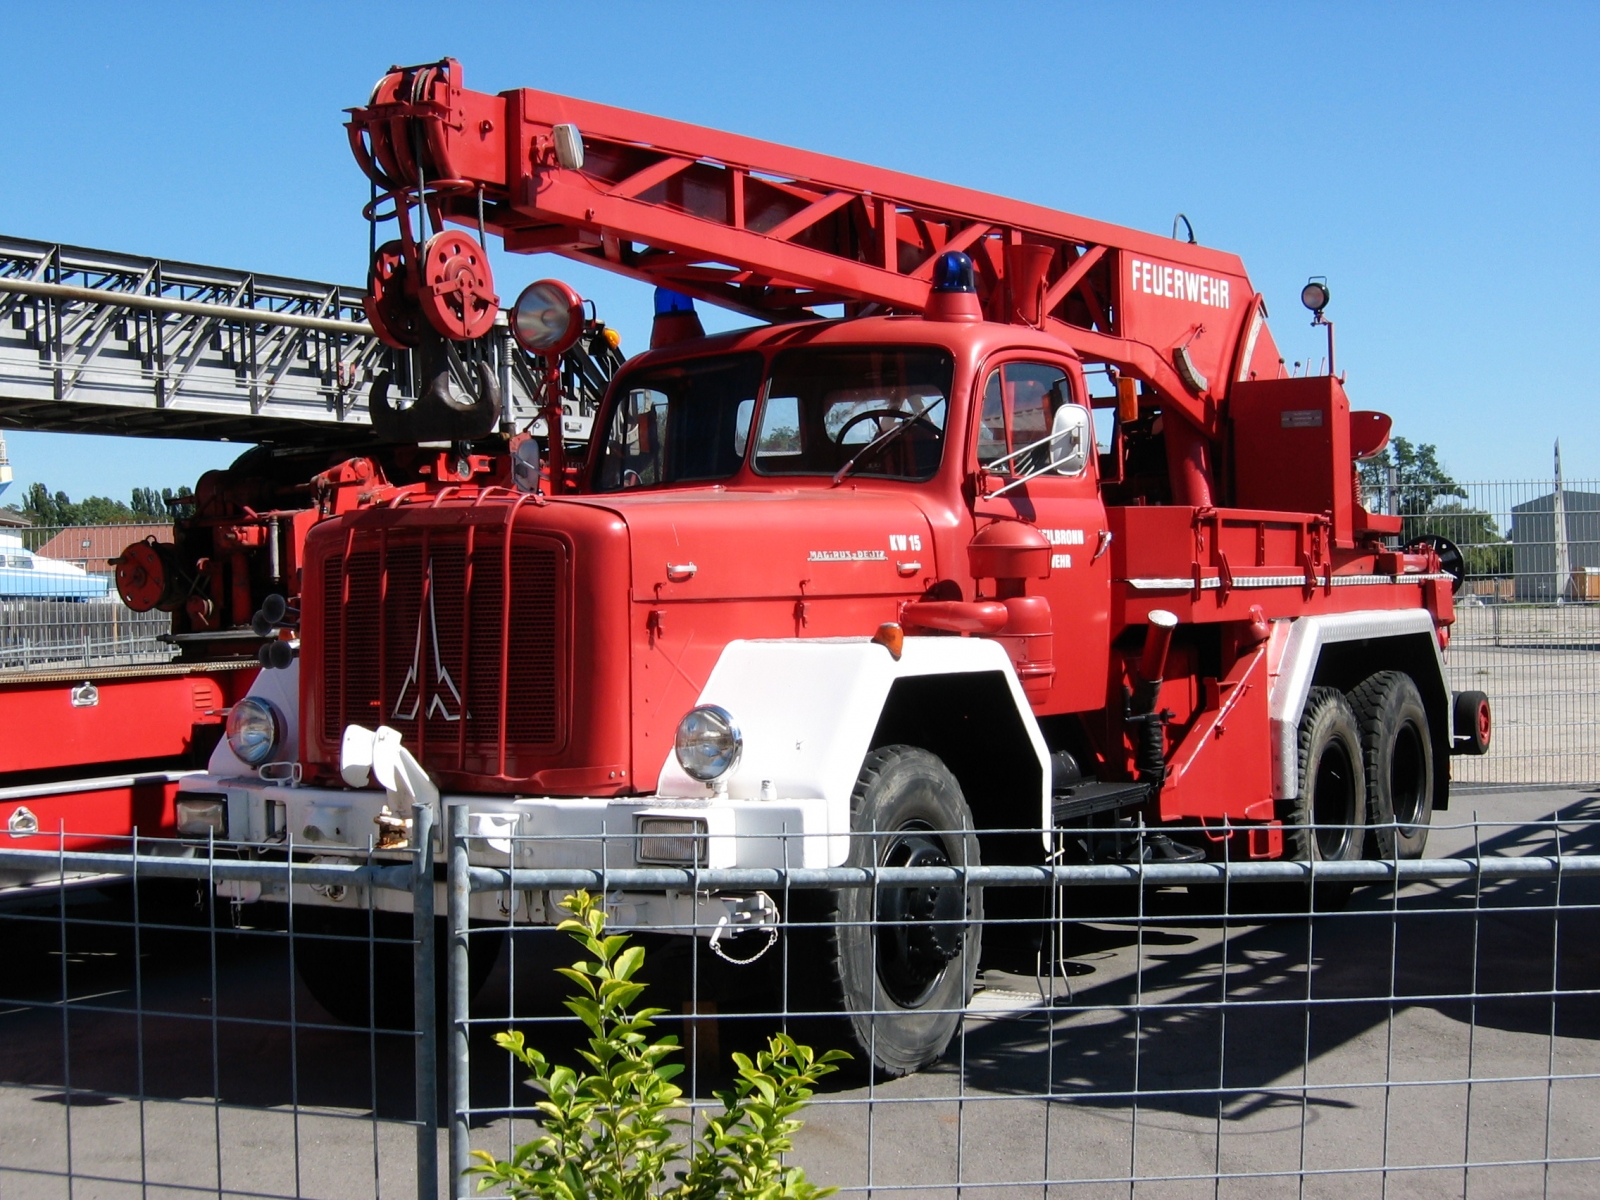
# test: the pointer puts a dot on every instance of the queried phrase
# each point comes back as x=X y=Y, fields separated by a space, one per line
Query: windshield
x=877 y=411
x=681 y=423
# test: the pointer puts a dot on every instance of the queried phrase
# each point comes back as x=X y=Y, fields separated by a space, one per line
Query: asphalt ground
x=1146 y=1073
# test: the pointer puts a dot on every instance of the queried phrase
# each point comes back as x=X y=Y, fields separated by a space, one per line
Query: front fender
x=807 y=710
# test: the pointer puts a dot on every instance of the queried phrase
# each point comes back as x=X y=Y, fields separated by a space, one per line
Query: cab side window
x=1020 y=400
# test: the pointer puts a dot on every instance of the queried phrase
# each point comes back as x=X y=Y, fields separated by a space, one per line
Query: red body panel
x=146 y=715
x=102 y=817
x=1291 y=449
x=139 y=717
x=1224 y=765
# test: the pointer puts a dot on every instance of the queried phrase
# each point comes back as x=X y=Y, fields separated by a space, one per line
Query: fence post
x=460 y=996
x=427 y=1054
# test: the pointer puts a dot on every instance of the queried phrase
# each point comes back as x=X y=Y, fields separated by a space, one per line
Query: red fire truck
x=1038 y=534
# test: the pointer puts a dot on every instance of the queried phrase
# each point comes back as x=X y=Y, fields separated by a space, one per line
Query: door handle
x=1102 y=545
x=681 y=572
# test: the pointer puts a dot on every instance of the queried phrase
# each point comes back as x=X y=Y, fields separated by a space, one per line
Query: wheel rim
x=1333 y=803
x=1407 y=779
x=1484 y=722
x=919 y=929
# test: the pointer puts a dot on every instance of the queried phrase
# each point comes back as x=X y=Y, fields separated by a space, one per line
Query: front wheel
x=364 y=977
x=902 y=962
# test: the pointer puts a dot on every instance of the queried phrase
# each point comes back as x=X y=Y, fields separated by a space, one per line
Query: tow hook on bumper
x=746 y=914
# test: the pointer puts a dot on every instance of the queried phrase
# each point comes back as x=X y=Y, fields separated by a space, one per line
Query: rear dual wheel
x=1326 y=821
x=1397 y=754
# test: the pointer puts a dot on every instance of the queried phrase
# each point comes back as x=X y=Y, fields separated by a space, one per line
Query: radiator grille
x=415 y=641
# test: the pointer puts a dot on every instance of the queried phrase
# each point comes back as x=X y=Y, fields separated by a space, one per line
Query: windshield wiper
x=883 y=439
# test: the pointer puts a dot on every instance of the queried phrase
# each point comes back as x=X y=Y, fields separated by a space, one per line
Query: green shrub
x=606 y=1132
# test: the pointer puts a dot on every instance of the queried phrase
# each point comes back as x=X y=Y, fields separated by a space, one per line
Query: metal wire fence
x=1133 y=1028
x=1156 y=1029
x=159 y=1034
x=59 y=607
x=1527 y=628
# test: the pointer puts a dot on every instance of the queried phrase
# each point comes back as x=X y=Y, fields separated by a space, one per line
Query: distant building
x=1533 y=543
x=94 y=547
x=10 y=518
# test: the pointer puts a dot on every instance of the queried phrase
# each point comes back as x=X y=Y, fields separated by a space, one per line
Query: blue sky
x=1438 y=163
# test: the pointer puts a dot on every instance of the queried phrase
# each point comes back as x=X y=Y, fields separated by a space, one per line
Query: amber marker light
x=892 y=638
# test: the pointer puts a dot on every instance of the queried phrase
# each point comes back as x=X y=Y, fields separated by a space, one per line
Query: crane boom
x=772 y=231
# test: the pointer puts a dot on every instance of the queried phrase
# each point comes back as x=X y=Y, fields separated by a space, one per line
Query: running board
x=1070 y=804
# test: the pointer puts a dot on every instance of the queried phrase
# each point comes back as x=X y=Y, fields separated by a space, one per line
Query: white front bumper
x=532 y=832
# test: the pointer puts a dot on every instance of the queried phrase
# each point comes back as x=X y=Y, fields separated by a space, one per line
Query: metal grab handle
x=681 y=572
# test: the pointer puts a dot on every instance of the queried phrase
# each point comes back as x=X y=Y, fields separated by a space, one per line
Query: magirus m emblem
x=438 y=705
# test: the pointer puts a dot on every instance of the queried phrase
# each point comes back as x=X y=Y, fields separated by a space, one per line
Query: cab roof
x=969 y=341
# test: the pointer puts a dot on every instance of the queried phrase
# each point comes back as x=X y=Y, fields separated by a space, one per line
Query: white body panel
x=281 y=689
x=808 y=710
x=1297 y=644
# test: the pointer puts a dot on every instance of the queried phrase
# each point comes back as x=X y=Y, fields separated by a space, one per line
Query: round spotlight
x=1315 y=295
x=547 y=318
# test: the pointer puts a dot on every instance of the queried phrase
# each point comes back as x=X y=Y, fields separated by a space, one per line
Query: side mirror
x=1070 y=438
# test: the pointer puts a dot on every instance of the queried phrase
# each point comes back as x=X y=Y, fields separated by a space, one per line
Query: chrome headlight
x=708 y=743
x=254 y=730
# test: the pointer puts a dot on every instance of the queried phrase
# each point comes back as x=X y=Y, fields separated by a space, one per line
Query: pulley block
x=391 y=308
x=456 y=291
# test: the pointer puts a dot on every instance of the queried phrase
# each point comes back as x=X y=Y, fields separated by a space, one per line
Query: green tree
x=1419 y=479
x=47 y=509
x=148 y=504
x=40 y=506
x=103 y=510
x=1474 y=533
x=1432 y=502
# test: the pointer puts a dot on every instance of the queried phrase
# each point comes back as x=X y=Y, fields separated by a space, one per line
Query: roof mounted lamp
x=1315 y=296
x=546 y=321
x=954 y=294
x=676 y=320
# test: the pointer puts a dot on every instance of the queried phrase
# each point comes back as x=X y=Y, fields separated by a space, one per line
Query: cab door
x=1018 y=405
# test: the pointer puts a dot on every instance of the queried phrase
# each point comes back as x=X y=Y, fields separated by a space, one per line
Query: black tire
x=902 y=975
x=1397 y=754
x=332 y=958
x=1326 y=821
